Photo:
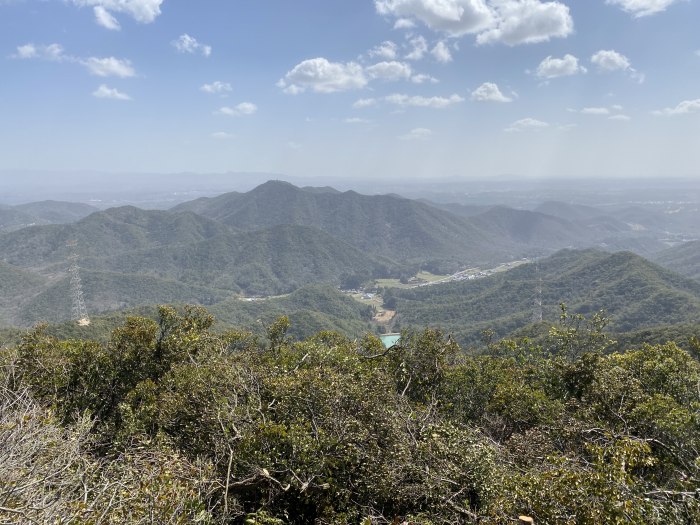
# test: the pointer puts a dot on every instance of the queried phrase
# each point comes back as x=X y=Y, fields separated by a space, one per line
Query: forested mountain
x=684 y=259
x=463 y=210
x=57 y=212
x=683 y=219
x=310 y=309
x=106 y=233
x=108 y=291
x=596 y=220
x=403 y=229
x=278 y=238
x=635 y=292
x=12 y=219
x=269 y=261
x=17 y=286
x=45 y=212
x=569 y=211
x=133 y=257
x=532 y=228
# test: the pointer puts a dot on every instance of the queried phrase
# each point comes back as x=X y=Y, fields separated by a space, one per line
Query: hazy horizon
x=163 y=190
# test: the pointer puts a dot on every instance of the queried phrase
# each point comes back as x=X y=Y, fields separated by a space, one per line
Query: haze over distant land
x=363 y=90
x=164 y=190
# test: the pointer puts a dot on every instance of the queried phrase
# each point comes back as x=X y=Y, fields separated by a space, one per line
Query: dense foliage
x=169 y=422
x=131 y=257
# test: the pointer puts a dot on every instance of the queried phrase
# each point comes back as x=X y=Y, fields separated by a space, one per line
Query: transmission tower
x=76 y=287
x=537 y=301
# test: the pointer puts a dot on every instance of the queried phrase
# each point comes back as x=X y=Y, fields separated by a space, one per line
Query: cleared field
x=420 y=278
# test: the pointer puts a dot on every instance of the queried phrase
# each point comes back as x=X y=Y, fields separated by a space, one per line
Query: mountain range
x=278 y=238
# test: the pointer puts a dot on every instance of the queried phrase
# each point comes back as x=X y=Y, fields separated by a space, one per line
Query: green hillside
x=438 y=237
x=390 y=226
x=195 y=250
x=594 y=219
x=110 y=232
x=569 y=211
x=57 y=212
x=13 y=219
x=532 y=228
x=265 y=262
x=104 y=292
x=635 y=292
x=16 y=287
x=684 y=259
x=310 y=309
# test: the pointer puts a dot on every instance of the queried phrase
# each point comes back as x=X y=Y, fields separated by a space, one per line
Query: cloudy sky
x=352 y=88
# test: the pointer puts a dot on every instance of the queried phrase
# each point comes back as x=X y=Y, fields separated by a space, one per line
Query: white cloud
x=422 y=79
x=387 y=50
x=389 y=71
x=417 y=134
x=101 y=67
x=365 y=103
x=217 y=88
x=697 y=52
x=322 y=76
x=423 y=102
x=489 y=92
x=244 y=108
x=525 y=124
x=188 y=44
x=511 y=22
x=294 y=145
x=595 y=111
x=404 y=23
x=107 y=92
x=609 y=60
x=109 y=67
x=559 y=67
x=25 y=51
x=616 y=107
x=685 y=107
x=623 y=118
x=419 y=47
x=528 y=22
x=455 y=17
x=143 y=11
x=53 y=52
x=356 y=120
x=441 y=52
x=222 y=135
x=105 y=19
x=639 y=8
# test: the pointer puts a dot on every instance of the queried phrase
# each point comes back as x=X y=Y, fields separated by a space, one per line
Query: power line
x=79 y=311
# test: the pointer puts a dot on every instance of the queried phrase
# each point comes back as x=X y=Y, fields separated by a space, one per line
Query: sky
x=390 y=89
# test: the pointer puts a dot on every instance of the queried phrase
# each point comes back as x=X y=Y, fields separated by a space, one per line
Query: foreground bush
x=171 y=422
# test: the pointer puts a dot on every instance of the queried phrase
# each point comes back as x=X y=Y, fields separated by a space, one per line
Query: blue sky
x=352 y=88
